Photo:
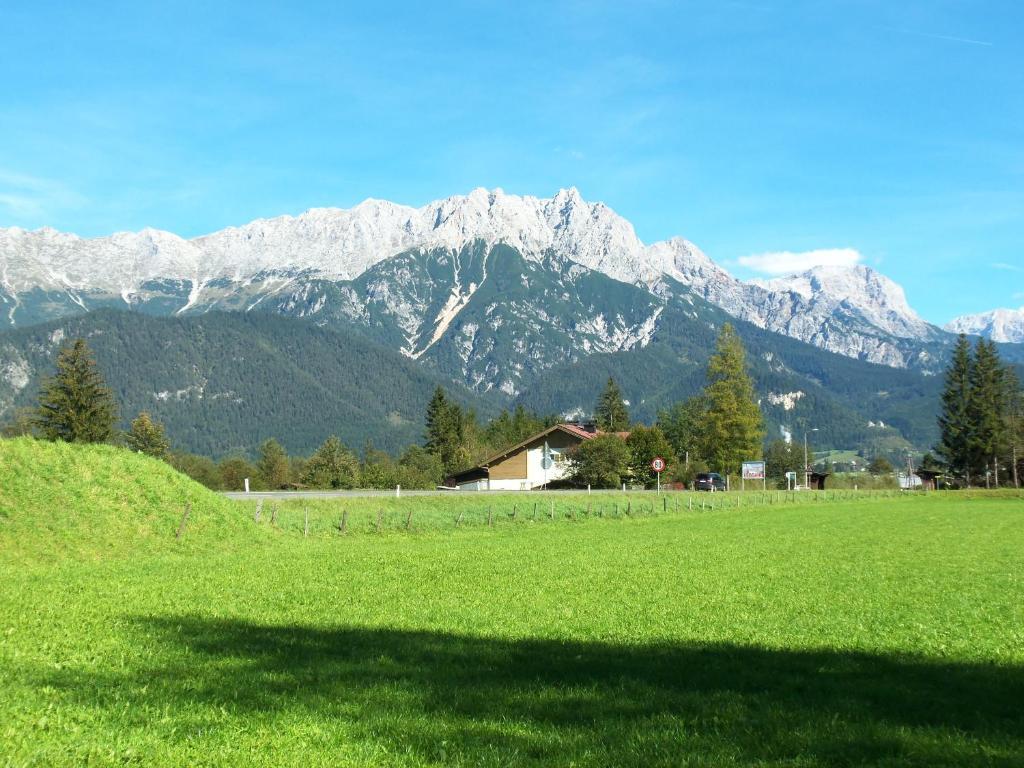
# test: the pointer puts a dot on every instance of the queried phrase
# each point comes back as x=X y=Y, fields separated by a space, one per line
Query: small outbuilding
x=929 y=478
x=817 y=480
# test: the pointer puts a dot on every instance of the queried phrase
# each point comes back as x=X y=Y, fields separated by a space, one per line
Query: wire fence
x=451 y=512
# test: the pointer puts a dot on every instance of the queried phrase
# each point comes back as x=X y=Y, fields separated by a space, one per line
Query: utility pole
x=807 y=466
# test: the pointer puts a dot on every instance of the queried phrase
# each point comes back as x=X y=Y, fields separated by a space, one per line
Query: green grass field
x=862 y=630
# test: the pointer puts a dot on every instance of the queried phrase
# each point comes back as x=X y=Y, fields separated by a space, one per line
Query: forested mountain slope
x=223 y=382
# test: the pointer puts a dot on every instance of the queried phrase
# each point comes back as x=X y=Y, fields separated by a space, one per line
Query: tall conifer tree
x=444 y=435
x=75 y=405
x=955 y=420
x=611 y=412
x=986 y=409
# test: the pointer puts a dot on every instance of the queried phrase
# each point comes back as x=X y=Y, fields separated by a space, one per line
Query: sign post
x=753 y=470
x=658 y=465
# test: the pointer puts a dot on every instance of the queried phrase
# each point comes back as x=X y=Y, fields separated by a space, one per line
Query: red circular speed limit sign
x=658 y=464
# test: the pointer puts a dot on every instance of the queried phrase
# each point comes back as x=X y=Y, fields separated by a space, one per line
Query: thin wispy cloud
x=937 y=36
x=788 y=262
x=25 y=197
x=1007 y=267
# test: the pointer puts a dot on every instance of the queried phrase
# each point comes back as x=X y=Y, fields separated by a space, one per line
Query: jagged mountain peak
x=880 y=300
x=1003 y=325
x=241 y=266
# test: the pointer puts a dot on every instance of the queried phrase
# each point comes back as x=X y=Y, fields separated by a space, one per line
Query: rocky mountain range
x=410 y=272
x=1006 y=325
x=511 y=299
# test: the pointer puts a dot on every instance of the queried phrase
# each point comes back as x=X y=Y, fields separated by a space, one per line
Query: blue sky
x=893 y=129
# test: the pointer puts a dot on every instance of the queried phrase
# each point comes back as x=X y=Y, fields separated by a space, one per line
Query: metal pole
x=806 y=480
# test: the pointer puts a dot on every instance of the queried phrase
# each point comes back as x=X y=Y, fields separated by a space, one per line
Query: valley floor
x=874 y=631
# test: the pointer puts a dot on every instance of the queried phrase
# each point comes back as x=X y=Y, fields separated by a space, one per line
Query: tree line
x=76 y=406
x=982 y=418
x=718 y=429
x=715 y=430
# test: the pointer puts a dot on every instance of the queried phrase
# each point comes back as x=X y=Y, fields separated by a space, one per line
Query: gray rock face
x=419 y=276
x=1005 y=325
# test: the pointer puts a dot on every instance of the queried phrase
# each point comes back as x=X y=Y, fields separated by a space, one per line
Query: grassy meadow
x=769 y=630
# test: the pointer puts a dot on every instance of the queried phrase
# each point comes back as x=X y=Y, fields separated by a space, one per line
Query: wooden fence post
x=184 y=520
x=343 y=526
x=408 y=520
x=534 y=511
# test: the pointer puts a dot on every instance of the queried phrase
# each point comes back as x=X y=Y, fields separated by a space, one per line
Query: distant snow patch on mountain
x=1003 y=325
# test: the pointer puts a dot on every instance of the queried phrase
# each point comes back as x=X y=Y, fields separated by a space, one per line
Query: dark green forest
x=221 y=383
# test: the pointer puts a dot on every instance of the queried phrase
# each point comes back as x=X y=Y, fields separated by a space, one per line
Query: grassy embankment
x=881 y=631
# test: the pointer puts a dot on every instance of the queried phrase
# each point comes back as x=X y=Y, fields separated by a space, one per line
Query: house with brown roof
x=534 y=463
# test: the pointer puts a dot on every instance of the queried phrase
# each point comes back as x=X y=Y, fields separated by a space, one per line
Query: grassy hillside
x=853 y=632
x=59 y=500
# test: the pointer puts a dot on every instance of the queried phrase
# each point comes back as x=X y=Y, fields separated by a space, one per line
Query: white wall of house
x=536 y=475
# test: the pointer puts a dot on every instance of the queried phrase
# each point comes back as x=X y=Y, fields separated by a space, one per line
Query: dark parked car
x=709 y=481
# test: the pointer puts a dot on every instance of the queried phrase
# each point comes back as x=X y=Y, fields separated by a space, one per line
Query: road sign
x=658 y=464
x=753 y=470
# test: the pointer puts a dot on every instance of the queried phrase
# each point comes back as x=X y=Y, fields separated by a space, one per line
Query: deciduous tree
x=600 y=462
x=272 y=467
x=332 y=465
x=646 y=443
x=733 y=426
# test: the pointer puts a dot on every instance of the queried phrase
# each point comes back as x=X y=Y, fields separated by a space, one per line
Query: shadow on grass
x=461 y=699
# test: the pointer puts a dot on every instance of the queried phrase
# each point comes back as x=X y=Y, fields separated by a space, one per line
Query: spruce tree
x=611 y=412
x=1014 y=423
x=444 y=435
x=733 y=427
x=683 y=424
x=955 y=434
x=75 y=405
x=147 y=436
x=986 y=410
